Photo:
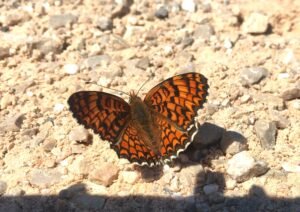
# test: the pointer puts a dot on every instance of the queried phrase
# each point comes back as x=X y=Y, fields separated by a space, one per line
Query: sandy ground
x=248 y=50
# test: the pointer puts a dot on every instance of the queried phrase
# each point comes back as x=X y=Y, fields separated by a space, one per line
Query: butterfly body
x=142 y=119
x=150 y=131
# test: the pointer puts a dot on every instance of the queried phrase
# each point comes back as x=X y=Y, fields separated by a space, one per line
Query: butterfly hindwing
x=106 y=114
x=178 y=98
x=132 y=147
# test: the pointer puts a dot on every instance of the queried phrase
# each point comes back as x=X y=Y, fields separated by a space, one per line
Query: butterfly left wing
x=178 y=98
x=106 y=114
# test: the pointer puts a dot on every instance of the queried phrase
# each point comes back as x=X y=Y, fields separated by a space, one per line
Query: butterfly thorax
x=142 y=119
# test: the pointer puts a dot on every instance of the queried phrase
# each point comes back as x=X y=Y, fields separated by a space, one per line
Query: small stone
x=99 y=60
x=71 y=68
x=233 y=143
x=256 y=23
x=105 y=174
x=230 y=184
x=291 y=94
x=288 y=167
x=243 y=166
x=4 y=52
x=266 y=131
x=16 y=18
x=168 y=50
x=71 y=191
x=44 y=178
x=296 y=104
x=143 y=63
x=57 y=21
x=49 y=144
x=227 y=44
x=13 y=123
x=211 y=188
x=46 y=46
x=120 y=11
x=207 y=134
x=162 y=13
x=6 y=100
x=204 y=31
x=105 y=23
x=81 y=135
x=189 y=5
x=130 y=177
x=250 y=76
x=187 y=41
x=3 y=187
x=280 y=121
x=58 y=107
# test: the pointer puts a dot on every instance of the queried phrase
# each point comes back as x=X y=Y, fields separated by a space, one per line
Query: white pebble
x=188 y=5
x=71 y=68
x=58 y=107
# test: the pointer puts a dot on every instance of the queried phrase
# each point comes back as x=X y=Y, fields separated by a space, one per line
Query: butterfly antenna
x=143 y=85
x=108 y=88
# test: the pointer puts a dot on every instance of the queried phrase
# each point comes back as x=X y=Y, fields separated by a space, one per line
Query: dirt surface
x=248 y=50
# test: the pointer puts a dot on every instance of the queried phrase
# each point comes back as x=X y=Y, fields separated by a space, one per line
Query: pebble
x=44 y=178
x=81 y=135
x=230 y=183
x=6 y=100
x=12 y=123
x=3 y=187
x=211 y=188
x=46 y=45
x=189 y=5
x=187 y=41
x=207 y=134
x=104 y=23
x=16 y=18
x=288 y=167
x=253 y=75
x=233 y=142
x=71 y=68
x=49 y=144
x=242 y=166
x=162 y=13
x=71 y=191
x=281 y=121
x=57 y=21
x=296 y=104
x=58 y=107
x=143 y=63
x=130 y=177
x=99 y=60
x=256 y=23
x=105 y=174
x=266 y=131
x=4 y=52
x=204 y=31
x=291 y=94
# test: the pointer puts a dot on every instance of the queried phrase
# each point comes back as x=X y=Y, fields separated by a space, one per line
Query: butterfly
x=149 y=132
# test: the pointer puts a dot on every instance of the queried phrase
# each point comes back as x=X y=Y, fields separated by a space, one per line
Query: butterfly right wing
x=133 y=148
x=106 y=114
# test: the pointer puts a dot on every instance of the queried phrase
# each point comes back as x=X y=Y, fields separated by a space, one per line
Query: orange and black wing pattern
x=173 y=141
x=178 y=98
x=132 y=147
x=106 y=114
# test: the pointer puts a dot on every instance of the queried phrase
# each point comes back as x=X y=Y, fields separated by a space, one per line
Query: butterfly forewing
x=106 y=114
x=178 y=98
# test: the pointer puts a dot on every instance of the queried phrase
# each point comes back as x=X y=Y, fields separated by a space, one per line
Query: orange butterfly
x=149 y=132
